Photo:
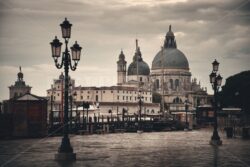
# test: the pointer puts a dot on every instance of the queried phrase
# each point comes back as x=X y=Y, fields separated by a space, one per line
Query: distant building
x=20 y=88
x=103 y=99
x=25 y=114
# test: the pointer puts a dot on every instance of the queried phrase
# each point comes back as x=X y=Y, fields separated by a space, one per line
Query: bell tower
x=121 y=69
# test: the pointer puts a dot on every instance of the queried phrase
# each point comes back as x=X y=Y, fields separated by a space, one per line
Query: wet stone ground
x=170 y=149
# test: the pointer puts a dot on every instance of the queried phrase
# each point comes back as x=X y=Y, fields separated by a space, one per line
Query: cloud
x=204 y=30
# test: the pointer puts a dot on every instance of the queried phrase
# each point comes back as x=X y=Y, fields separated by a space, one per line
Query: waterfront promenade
x=170 y=149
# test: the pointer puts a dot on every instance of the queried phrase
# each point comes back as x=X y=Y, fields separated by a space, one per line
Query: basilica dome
x=170 y=57
x=143 y=68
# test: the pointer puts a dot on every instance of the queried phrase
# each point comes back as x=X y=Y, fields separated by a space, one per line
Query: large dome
x=143 y=68
x=172 y=58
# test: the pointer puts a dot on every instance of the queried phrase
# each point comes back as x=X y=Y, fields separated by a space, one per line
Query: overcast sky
x=204 y=30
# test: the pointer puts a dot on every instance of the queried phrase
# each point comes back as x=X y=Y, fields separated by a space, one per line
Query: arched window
x=171 y=84
x=176 y=83
x=152 y=111
x=96 y=98
x=177 y=100
x=157 y=83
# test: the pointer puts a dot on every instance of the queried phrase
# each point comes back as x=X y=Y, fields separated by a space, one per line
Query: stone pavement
x=170 y=149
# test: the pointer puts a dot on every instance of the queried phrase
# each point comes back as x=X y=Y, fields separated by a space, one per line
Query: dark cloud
x=204 y=30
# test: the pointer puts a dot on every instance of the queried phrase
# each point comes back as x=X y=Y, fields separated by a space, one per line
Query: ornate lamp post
x=140 y=97
x=65 y=151
x=215 y=81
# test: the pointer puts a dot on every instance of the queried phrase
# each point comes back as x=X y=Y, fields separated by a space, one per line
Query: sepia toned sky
x=204 y=30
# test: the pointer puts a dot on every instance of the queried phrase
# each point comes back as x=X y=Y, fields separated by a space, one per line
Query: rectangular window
x=81 y=97
x=111 y=91
x=103 y=92
x=88 y=92
x=117 y=97
x=87 y=97
x=123 y=97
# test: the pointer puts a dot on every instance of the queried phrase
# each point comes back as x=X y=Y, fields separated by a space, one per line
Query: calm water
x=131 y=149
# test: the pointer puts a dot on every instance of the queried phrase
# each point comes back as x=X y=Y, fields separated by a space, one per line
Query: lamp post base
x=65 y=156
x=215 y=142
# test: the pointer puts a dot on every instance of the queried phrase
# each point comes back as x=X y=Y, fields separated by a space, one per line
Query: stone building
x=25 y=114
x=103 y=100
x=170 y=77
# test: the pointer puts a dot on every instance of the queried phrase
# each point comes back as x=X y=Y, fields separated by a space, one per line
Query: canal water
x=156 y=149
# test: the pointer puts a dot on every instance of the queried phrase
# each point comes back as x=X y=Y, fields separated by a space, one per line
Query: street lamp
x=140 y=97
x=65 y=151
x=215 y=81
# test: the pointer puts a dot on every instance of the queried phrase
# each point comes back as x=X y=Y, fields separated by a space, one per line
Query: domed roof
x=170 y=56
x=143 y=68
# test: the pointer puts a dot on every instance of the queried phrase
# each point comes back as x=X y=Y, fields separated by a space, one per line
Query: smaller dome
x=143 y=68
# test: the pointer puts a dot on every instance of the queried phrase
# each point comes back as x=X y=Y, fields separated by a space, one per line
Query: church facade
x=169 y=77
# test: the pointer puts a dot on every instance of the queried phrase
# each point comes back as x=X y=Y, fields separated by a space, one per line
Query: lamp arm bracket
x=59 y=66
x=72 y=67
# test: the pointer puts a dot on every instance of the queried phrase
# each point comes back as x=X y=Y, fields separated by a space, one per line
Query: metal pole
x=215 y=132
x=65 y=145
x=71 y=110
